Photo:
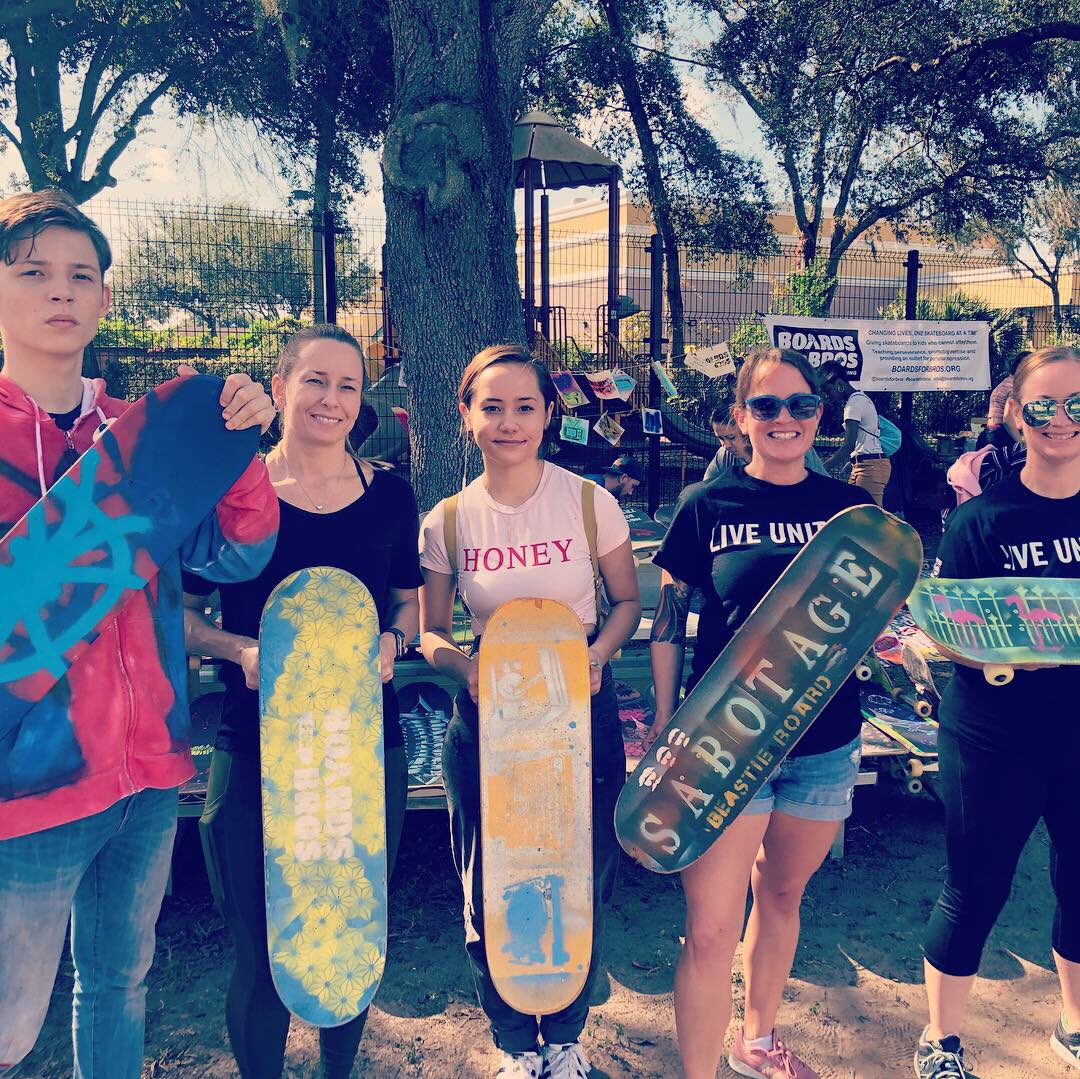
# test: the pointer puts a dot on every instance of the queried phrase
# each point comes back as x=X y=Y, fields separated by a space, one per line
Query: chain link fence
x=223 y=286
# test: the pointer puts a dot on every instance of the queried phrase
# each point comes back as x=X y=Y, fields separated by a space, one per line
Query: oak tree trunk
x=448 y=188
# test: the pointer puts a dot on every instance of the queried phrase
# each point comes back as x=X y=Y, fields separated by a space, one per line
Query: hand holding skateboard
x=244 y=403
x=249 y=664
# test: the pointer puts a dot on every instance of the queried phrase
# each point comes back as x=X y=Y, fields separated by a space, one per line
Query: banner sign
x=890 y=355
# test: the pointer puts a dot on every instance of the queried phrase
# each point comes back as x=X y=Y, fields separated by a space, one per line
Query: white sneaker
x=520 y=1066
x=565 y=1062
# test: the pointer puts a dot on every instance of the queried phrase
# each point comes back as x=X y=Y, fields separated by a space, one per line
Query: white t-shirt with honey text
x=538 y=550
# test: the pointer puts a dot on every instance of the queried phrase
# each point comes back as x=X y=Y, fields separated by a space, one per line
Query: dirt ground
x=853 y=1008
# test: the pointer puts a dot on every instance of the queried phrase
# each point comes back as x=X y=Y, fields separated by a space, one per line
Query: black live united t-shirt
x=374 y=538
x=1010 y=531
x=732 y=538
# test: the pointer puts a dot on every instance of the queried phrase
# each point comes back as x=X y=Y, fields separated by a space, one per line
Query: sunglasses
x=1042 y=410
x=800 y=406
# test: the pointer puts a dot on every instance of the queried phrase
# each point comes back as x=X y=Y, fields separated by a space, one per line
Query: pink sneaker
x=779 y=1063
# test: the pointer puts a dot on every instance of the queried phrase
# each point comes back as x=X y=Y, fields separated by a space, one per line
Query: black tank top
x=374 y=538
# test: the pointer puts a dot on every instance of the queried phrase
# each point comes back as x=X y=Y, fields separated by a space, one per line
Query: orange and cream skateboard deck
x=536 y=804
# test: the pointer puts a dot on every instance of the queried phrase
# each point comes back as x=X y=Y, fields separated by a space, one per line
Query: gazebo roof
x=555 y=157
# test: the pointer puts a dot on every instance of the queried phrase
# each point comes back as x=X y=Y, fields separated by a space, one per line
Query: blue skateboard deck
x=323 y=794
x=104 y=529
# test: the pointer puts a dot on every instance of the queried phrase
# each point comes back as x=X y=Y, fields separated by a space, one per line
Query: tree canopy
x=1045 y=241
x=121 y=57
x=910 y=112
x=319 y=88
x=606 y=64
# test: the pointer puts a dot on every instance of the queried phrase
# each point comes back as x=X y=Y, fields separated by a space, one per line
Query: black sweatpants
x=514 y=1031
x=993 y=800
x=231 y=828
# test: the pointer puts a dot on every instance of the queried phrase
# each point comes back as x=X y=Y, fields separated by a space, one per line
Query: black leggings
x=512 y=1030
x=231 y=828
x=993 y=800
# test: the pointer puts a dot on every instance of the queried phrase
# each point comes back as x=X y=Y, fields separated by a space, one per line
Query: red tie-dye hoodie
x=118 y=721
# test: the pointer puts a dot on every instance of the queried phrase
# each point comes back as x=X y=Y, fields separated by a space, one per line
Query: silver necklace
x=318 y=505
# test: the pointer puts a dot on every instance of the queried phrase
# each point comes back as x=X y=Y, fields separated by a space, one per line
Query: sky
x=181 y=160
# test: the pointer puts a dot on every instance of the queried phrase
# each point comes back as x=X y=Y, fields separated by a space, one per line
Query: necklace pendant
x=318 y=507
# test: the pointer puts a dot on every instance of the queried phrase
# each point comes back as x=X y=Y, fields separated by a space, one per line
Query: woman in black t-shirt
x=732 y=538
x=335 y=511
x=1010 y=755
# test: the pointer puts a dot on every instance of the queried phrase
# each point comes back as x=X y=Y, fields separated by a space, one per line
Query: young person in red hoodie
x=89 y=776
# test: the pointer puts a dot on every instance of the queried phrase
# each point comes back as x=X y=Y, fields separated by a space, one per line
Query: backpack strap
x=588 y=517
x=449 y=525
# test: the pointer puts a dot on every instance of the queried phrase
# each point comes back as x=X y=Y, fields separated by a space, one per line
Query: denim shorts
x=815 y=787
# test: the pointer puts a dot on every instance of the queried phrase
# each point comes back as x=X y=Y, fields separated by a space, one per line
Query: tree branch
x=88 y=116
x=1062 y=30
x=670 y=56
x=1047 y=281
x=102 y=176
x=10 y=135
x=852 y=170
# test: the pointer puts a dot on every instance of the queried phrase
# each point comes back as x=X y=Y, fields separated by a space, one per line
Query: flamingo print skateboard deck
x=800 y=643
x=1002 y=622
x=323 y=794
x=536 y=803
x=104 y=529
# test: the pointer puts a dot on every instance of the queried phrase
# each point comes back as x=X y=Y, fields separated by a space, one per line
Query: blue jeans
x=818 y=786
x=109 y=872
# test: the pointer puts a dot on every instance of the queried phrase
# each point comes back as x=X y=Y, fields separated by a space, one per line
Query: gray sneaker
x=940 y=1060
x=1066 y=1045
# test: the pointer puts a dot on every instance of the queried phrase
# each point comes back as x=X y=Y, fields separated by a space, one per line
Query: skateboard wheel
x=863 y=673
x=915 y=768
x=898 y=770
x=924 y=709
x=914 y=786
x=998 y=676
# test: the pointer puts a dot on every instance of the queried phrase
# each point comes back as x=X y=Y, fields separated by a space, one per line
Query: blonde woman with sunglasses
x=1027 y=525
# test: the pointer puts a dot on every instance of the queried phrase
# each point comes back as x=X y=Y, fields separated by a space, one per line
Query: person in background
x=999 y=432
x=978 y=470
x=870 y=467
x=621 y=478
x=735 y=450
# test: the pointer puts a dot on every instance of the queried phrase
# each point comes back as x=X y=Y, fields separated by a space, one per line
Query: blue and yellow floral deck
x=323 y=800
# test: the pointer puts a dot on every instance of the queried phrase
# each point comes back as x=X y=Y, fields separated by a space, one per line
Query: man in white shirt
x=870 y=466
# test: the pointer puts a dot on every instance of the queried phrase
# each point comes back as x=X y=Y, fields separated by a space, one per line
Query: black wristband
x=402 y=643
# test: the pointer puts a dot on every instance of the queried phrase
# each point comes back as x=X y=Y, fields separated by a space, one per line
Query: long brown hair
x=321 y=331
x=495 y=354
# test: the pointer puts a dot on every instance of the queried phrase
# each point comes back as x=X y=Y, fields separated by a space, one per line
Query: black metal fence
x=223 y=286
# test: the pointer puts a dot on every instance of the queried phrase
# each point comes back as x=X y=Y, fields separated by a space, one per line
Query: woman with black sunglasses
x=732 y=538
x=996 y=781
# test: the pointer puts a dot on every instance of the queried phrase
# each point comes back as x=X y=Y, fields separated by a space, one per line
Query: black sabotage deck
x=764 y=690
